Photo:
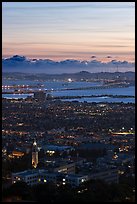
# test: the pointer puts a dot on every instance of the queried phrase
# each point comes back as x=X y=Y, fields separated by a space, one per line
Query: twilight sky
x=69 y=30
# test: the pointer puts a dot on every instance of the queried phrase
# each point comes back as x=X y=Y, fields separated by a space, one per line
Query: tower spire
x=34 y=154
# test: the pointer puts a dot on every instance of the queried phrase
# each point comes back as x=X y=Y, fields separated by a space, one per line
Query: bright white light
x=34 y=143
x=69 y=80
x=86 y=63
x=79 y=191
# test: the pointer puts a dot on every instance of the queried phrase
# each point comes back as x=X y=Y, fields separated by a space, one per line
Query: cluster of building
x=61 y=174
x=64 y=127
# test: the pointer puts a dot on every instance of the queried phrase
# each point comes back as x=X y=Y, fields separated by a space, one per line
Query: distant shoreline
x=93 y=96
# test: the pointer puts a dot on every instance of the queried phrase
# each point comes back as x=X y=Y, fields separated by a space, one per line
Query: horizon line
x=107 y=58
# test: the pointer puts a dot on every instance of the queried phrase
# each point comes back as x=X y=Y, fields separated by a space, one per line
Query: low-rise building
x=38 y=176
x=109 y=176
x=16 y=154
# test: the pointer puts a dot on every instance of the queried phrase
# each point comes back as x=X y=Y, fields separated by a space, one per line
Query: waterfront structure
x=34 y=154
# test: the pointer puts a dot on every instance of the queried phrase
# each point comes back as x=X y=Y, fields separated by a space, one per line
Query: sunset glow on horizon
x=69 y=30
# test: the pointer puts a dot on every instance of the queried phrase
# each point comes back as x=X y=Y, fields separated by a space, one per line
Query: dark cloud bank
x=22 y=64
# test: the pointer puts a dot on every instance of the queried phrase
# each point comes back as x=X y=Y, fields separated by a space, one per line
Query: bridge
x=120 y=85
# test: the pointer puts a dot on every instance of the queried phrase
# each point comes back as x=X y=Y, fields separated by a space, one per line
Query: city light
x=68 y=102
x=69 y=80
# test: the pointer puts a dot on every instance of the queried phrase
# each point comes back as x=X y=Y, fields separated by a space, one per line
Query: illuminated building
x=34 y=154
x=65 y=168
x=17 y=154
x=39 y=176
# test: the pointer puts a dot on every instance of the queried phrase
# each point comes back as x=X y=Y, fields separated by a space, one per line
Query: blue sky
x=62 y=30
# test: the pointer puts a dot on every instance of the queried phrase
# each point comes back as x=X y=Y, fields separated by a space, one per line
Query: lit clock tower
x=34 y=154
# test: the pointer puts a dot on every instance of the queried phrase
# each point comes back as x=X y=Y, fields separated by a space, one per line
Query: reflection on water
x=55 y=86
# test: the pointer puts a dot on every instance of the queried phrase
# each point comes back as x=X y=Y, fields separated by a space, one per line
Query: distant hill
x=79 y=76
x=18 y=63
